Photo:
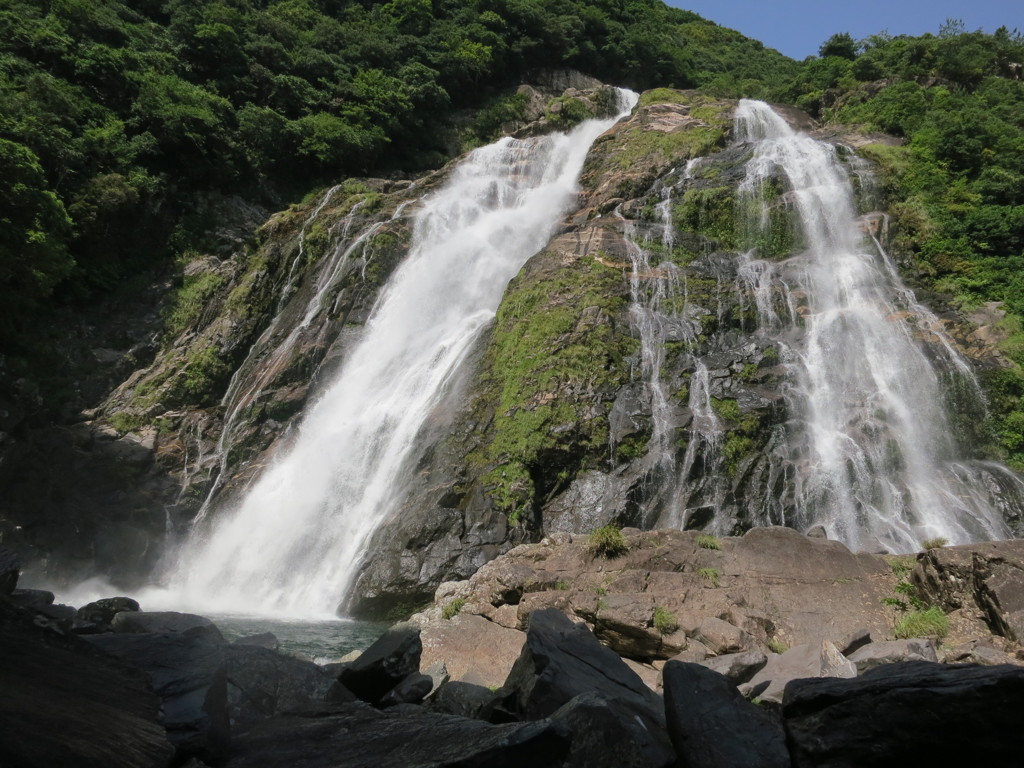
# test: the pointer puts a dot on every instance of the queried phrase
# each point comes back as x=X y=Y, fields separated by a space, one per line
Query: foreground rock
x=358 y=736
x=385 y=664
x=713 y=726
x=65 y=703
x=561 y=661
x=915 y=713
x=188 y=675
x=677 y=594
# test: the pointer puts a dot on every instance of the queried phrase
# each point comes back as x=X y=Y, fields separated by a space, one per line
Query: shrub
x=936 y=543
x=922 y=624
x=607 y=541
x=708 y=542
x=710 y=575
x=453 y=607
x=777 y=646
x=665 y=621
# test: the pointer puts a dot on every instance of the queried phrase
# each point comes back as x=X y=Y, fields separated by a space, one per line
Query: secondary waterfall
x=294 y=543
x=874 y=458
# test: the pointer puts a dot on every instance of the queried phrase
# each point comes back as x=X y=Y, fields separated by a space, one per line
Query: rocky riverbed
x=655 y=648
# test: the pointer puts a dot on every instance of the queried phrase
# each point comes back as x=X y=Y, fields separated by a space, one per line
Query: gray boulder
x=738 y=667
x=892 y=651
x=811 y=660
x=712 y=726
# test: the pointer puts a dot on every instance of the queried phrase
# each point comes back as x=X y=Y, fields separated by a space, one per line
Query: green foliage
x=607 y=541
x=120 y=122
x=936 y=543
x=566 y=112
x=902 y=565
x=710 y=575
x=542 y=351
x=777 y=646
x=203 y=379
x=841 y=44
x=452 y=608
x=922 y=623
x=190 y=300
x=710 y=211
x=664 y=620
x=706 y=541
x=562 y=586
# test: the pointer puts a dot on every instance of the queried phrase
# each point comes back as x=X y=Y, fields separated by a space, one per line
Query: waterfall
x=294 y=543
x=876 y=463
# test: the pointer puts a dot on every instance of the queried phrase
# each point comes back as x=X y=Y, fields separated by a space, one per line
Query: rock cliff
x=625 y=379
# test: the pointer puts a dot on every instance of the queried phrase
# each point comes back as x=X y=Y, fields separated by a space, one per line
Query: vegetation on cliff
x=123 y=124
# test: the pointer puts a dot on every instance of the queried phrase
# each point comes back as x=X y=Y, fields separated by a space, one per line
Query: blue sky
x=797 y=28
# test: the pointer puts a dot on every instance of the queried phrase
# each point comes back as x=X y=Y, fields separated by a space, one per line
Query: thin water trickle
x=294 y=543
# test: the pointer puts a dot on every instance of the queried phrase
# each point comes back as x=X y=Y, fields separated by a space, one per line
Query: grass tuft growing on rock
x=607 y=541
x=922 y=624
x=710 y=575
x=664 y=620
x=708 y=541
x=937 y=543
x=452 y=608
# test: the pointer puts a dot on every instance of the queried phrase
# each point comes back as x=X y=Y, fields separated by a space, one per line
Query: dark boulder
x=411 y=690
x=916 y=713
x=188 y=674
x=393 y=657
x=262 y=683
x=561 y=660
x=102 y=612
x=713 y=726
x=359 y=736
x=32 y=598
x=457 y=697
x=58 y=617
x=263 y=640
x=738 y=667
x=64 y=703
x=166 y=621
x=599 y=736
x=10 y=570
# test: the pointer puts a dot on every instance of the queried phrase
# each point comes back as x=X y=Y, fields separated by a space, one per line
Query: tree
x=33 y=232
x=841 y=45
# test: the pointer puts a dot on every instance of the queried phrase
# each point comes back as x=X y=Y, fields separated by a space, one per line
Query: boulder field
x=668 y=649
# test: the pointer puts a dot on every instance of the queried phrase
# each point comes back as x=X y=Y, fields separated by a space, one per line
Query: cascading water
x=874 y=457
x=295 y=541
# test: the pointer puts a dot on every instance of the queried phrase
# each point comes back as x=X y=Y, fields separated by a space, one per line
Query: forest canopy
x=116 y=117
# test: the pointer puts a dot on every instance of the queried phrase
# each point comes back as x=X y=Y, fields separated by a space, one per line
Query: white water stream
x=294 y=543
x=879 y=466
